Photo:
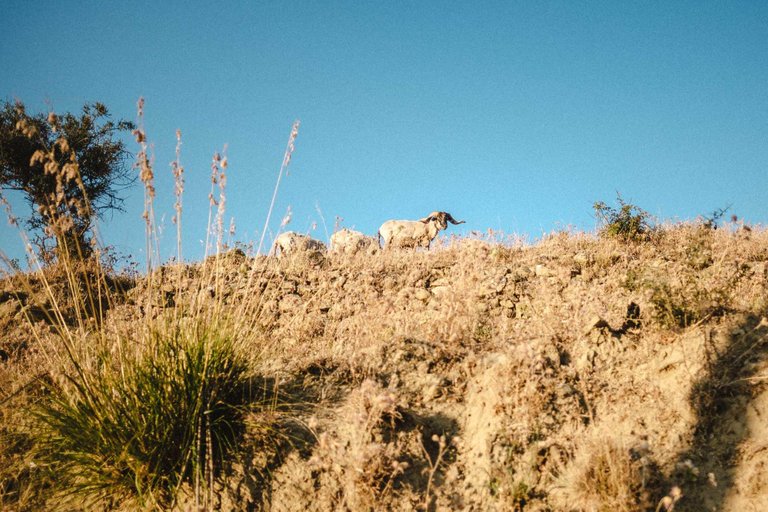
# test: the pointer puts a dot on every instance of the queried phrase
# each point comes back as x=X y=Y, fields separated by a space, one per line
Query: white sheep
x=291 y=242
x=347 y=241
x=415 y=233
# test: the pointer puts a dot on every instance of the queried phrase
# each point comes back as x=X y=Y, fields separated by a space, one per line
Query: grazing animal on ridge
x=415 y=233
x=348 y=241
x=291 y=242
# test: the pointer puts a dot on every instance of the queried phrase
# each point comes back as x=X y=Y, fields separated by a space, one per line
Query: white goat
x=347 y=241
x=291 y=242
x=415 y=233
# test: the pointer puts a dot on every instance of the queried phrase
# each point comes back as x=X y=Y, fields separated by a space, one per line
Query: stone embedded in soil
x=422 y=294
x=595 y=322
x=507 y=304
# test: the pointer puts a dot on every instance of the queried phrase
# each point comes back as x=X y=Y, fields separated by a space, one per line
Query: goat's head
x=441 y=219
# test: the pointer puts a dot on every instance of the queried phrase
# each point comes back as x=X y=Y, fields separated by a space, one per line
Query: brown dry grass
x=570 y=374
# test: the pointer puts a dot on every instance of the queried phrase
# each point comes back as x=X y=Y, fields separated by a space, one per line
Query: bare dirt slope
x=573 y=374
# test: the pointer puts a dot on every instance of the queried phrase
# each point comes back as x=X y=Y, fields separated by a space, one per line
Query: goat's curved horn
x=450 y=219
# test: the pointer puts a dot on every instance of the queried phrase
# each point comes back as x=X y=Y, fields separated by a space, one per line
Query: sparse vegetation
x=574 y=373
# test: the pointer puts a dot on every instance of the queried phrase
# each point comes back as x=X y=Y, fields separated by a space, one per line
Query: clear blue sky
x=512 y=115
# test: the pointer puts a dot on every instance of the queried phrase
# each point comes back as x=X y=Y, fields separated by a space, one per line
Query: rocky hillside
x=571 y=374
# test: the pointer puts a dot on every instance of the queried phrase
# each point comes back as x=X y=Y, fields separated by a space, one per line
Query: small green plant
x=628 y=222
x=712 y=221
x=698 y=249
x=493 y=487
x=672 y=308
x=137 y=430
x=521 y=493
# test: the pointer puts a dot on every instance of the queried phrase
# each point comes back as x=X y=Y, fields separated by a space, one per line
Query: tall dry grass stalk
x=178 y=189
x=147 y=177
x=283 y=169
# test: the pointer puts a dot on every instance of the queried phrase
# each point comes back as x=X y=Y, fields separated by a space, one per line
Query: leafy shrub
x=672 y=308
x=627 y=222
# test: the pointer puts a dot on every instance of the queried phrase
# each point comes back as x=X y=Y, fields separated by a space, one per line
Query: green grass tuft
x=140 y=427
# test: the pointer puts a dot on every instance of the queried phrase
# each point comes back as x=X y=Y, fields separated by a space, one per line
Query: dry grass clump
x=370 y=453
x=603 y=476
x=703 y=275
x=23 y=481
x=359 y=455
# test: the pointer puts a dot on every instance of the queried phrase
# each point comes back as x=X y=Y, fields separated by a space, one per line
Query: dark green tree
x=70 y=169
